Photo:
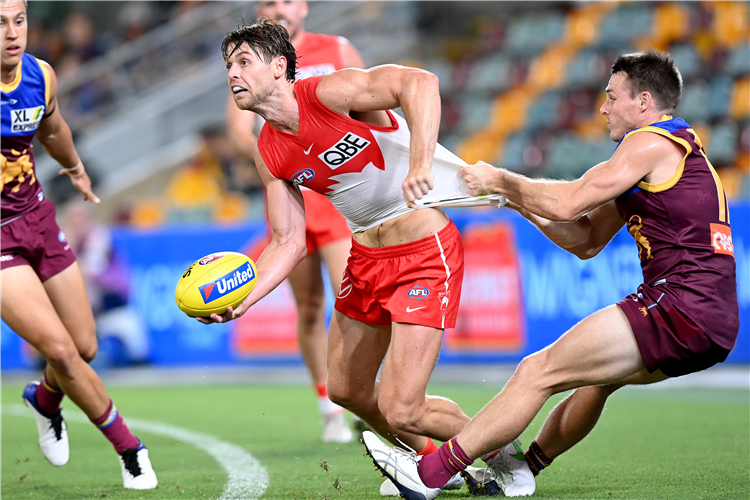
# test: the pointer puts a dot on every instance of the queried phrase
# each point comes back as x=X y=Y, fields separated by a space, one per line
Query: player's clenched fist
x=481 y=178
x=418 y=183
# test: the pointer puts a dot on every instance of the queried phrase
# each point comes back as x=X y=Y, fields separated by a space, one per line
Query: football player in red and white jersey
x=328 y=236
x=402 y=286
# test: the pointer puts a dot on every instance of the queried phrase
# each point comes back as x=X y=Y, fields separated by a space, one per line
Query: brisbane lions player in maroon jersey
x=683 y=318
x=328 y=236
x=44 y=298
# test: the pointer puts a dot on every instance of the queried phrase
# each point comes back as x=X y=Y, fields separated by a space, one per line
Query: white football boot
x=53 y=433
x=137 y=473
x=400 y=466
x=388 y=489
x=511 y=470
x=336 y=428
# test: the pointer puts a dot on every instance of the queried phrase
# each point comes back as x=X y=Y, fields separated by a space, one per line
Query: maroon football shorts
x=417 y=283
x=37 y=241
x=668 y=340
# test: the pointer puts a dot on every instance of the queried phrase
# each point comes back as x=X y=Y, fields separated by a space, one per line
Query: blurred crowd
x=520 y=91
x=524 y=93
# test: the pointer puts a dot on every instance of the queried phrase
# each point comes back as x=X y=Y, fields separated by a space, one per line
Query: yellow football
x=214 y=283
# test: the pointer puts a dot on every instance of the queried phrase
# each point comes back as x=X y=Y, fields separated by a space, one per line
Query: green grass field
x=650 y=444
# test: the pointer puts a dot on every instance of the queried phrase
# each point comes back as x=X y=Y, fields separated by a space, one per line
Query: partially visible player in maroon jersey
x=44 y=298
x=328 y=236
x=683 y=318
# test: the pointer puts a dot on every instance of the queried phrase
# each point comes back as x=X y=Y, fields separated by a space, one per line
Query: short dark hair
x=268 y=39
x=655 y=72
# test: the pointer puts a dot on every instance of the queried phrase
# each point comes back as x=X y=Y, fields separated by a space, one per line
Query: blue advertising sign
x=520 y=293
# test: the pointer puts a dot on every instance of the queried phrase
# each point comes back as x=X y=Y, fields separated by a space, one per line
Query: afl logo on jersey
x=303 y=177
x=418 y=292
x=344 y=150
x=26 y=119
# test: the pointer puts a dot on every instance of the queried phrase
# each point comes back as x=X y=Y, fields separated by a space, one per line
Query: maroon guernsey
x=684 y=239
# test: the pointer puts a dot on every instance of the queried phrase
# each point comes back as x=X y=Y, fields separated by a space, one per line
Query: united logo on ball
x=214 y=283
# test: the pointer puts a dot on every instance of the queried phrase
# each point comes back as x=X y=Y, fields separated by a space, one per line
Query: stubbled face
x=251 y=80
x=620 y=109
x=290 y=14
x=14 y=32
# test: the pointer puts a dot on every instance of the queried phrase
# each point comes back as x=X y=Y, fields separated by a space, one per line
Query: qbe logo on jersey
x=227 y=283
x=344 y=150
x=26 y=119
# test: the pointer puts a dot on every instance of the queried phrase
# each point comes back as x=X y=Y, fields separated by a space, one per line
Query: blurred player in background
x=44 y=297
x=328 y=236
x=402 y=285
x=684 y=318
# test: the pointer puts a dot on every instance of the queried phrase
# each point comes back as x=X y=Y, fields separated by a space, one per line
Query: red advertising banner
x=270 y=326
x=490 y=318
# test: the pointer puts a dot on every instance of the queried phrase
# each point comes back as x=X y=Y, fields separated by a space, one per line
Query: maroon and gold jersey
x=24 y=103
x=684 y=239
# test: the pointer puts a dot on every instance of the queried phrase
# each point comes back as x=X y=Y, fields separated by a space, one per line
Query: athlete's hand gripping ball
x=215 y=284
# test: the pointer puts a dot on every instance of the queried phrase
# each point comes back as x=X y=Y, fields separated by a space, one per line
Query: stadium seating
x=564 y=55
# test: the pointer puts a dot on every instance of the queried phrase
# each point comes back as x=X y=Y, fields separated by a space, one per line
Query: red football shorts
x=324 y=224
x=417 y=283
x=37 y=241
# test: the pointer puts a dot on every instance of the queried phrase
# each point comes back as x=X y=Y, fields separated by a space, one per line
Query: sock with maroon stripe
x=48 y=396
x=114 y=428
x=536 y=458
x=436 y=469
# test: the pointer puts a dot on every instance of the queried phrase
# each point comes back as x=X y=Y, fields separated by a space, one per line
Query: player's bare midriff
x=412 y=226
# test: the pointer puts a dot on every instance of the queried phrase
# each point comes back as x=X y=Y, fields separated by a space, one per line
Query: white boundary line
x=248 y=479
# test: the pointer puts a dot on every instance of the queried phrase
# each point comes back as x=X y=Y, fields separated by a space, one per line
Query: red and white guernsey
x=359 y=167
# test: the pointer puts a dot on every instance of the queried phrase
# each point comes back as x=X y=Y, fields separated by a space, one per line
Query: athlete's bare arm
x=584 y=238
x=388 y=87
x=54 y=134
x=288 y=246
x=579 y=215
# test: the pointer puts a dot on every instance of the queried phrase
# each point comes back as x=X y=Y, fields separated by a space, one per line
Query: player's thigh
x=411 y=357
x=355 y=352
x=306 y=281
x=27 y=309
x=600 y=349
x=643 y=377
x=67 y=292
x=335 y=255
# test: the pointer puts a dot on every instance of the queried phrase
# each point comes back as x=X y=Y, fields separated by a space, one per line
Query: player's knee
x=339 y=396
x=310 y=314
x=89 y=350
x=355 y=401
x=402 y=417
x=533 y=371
x=60 y=355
